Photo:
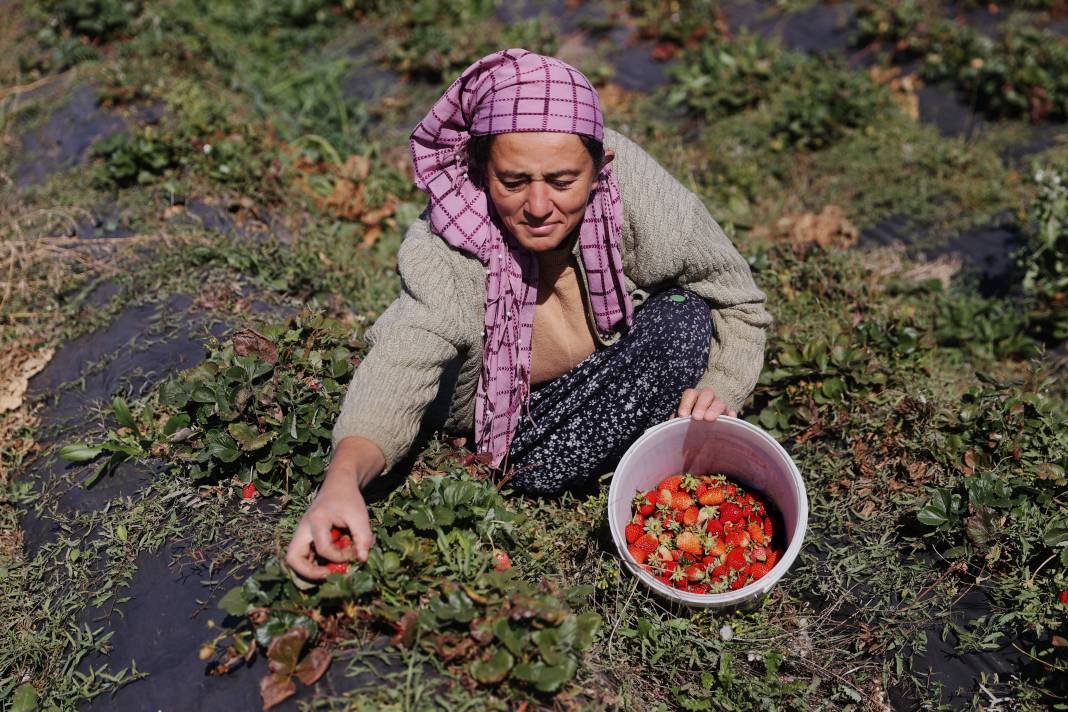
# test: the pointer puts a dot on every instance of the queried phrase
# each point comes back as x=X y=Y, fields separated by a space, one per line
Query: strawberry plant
x=435 y=579
x=723 y=77
x=257 y=411
x=1043 y=258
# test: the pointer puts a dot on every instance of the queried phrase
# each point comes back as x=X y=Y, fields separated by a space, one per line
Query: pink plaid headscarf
x=508 y=91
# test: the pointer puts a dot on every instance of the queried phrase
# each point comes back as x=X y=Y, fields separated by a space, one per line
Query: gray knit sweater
x=426 y=348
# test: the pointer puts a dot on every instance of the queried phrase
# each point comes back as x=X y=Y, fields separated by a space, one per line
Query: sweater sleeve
x=716 y=271
x=411 y=343
x=672 y=238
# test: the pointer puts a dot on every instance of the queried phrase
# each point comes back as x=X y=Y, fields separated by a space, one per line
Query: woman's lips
x=541 y=230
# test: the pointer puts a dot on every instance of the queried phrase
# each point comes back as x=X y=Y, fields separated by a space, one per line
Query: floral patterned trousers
x=581 y=423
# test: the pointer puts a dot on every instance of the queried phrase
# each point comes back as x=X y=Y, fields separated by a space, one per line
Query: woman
x=561 y=294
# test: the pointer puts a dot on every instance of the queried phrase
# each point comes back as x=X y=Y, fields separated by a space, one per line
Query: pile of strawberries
x=702 y=534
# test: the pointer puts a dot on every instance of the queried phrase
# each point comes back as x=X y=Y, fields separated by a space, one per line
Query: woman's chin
x=542 y=243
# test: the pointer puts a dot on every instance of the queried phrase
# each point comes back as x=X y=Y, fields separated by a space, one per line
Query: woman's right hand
x=339 y=504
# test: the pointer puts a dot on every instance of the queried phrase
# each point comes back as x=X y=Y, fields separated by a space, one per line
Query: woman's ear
x=609 y=154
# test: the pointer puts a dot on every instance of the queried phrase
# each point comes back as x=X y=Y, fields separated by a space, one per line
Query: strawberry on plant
x=248 y=491
x=501 y=560
x=1064 y=597
x=337 y=568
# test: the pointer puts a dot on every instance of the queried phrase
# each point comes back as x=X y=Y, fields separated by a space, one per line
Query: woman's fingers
x=324 y=545
x=359 y=525
x=708 y=406
x=301 y=558
x=732 y=413
x=689 y=397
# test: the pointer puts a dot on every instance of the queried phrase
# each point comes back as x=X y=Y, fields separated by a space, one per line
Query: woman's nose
x=538 y=205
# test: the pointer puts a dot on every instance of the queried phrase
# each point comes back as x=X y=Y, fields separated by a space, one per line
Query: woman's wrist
x=358 y=458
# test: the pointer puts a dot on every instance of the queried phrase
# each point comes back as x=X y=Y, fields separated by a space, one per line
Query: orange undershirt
x=562 y=336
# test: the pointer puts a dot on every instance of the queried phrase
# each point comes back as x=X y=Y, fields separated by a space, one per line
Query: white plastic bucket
x=727 y=446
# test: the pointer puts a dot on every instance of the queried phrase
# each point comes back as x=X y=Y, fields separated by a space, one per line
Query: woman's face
x=539 y=183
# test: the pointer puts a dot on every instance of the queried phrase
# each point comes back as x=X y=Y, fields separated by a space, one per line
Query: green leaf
x=511 y=639
x=25 y=698
x=546 y=678
x=248 y=437
x=234 y=602
x=79 y=452
x=122 y=413
x=175 y=423
x=221 y=446
x=1056 y=534
x=495 y=669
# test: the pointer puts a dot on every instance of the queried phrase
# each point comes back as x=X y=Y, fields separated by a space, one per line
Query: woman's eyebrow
x=553 y=175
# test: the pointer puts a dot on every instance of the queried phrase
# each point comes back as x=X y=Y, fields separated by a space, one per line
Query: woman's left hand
x=702 y=404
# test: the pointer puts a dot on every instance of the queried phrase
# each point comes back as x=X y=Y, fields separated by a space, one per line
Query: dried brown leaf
x=17 y=366
x=276 y=688
x=314 y=665
x=250 y=341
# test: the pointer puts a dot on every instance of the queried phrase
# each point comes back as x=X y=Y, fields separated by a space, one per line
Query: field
x=200 y=209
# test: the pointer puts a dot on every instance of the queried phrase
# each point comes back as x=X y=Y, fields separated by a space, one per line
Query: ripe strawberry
x=718 y=548
x=768 y=528
x=709 y=560
x=647 y=543
x=639 y=554
x=736 y=559
x=712 y=496
x=695 y=572
x=697 y=588
x=644 y=502
x=730 y=512
x=731 y=490
x=248 y=491
x=688 y=542
x=1064 y=597
x=759 y=570
x=690 y=516
x=664 y=497
x=738 y=538
x=633 y=531
x=335 y=534
x=773 y=558
x=720 y=571
x=343 y=542
x=739 y=582
x=680 y=501
x=756 y=532
x=671 y=483
x=337 y=568
x=664 y=553
x=714 y=526
x=501 y=560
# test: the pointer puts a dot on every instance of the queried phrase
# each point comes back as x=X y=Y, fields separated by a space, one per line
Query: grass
x=924 y=416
